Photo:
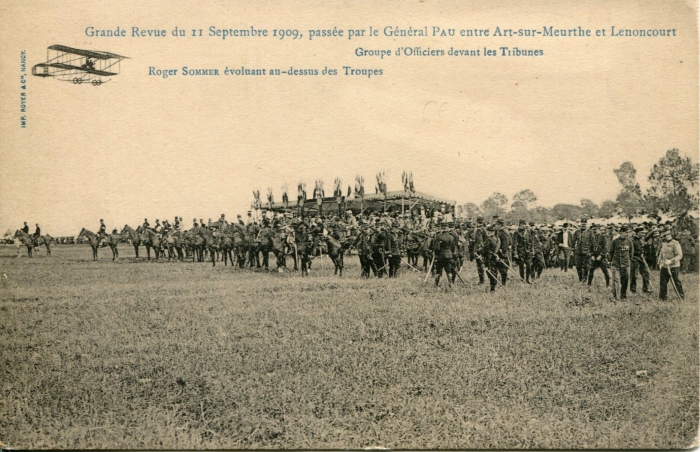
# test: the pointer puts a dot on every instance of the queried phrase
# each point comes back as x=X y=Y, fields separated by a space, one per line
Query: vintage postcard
x=349 y=224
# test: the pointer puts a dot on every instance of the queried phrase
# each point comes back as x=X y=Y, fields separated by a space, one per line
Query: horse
x=172 y=242
x=336 y=249
x=225 y=243
x=32 y=242
x=94 y=242
x=209 y=243
x=133 y=236
x=151 y=240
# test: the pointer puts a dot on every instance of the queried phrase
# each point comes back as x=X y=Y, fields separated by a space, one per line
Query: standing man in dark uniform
x=394 y=238
x=599 y=257
x=503 y=249
x=523 y=250
x=443 y=248
x=639 y=263
x=538 y=242
x=621 y=252
x=490 y=256
x=582 y=244
x=480 y=237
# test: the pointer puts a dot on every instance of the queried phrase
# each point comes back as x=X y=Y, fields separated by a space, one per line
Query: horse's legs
x=213 y=256
x=136 y=250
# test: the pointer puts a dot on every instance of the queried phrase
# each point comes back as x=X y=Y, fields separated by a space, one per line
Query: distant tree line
x=673 y=189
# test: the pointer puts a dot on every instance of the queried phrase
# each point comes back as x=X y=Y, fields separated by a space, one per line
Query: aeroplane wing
x=86 y=53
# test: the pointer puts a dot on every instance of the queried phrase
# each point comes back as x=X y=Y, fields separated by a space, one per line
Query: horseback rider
x=37 y=235
x=101 y=232
x=157 y=228
x=25 y=229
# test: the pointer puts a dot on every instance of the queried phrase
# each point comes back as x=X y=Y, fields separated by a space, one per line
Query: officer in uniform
x=639 y=263
x=598 y=255
x=582 y=244
x=622 y=255
x=669 y=263
x=490 y=256
x=146 y=225
x=394 y=238
x=479 y=242
x=223 y=224
x=523 y=250
x=157 y=228
x=443 y=249
x=538 y=242
x=379 y=238
x=25 y=229
x=503 y=250
x=102 y=232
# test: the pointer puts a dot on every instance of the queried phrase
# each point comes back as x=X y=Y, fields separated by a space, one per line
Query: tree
x=607 y=209
x=627 y=175
x=518 y=206
x=673 y=183
x=589 y=208
x=494 y=204
x=566 y=211
x=526 y=197
x=471 y=210
x=629 y=200
x=629 y=203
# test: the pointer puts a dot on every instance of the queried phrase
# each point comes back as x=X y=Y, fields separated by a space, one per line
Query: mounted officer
x=101 y=233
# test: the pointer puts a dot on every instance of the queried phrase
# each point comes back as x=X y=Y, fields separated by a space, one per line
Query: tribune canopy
x=394 y=201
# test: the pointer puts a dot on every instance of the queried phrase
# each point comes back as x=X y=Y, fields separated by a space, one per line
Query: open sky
x=144 y=146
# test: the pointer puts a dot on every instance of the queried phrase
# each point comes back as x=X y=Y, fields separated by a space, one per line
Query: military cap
x=479 y=218
x=532 y=223
x=100 y=220
x=490 y=228
x=521 y=221
x=639 y=229
x=584 y=220
x=624 y=228
x=500 y=221
x=565 y=225
x=495 y=217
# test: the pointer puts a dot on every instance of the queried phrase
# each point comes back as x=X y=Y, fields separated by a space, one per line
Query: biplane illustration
x=78 y=66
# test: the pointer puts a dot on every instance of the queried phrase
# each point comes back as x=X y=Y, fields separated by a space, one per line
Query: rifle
x=430 y=268
x=494 y=276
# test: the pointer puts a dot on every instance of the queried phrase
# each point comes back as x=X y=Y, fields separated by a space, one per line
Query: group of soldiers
x=622 y=253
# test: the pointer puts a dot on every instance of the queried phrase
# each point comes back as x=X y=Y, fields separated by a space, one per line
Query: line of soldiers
x=383 y=240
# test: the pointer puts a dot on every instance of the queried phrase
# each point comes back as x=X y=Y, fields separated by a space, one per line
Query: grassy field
x=139 y=354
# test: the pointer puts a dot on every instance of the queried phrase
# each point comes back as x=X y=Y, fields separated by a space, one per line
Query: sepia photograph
x=349 y=225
